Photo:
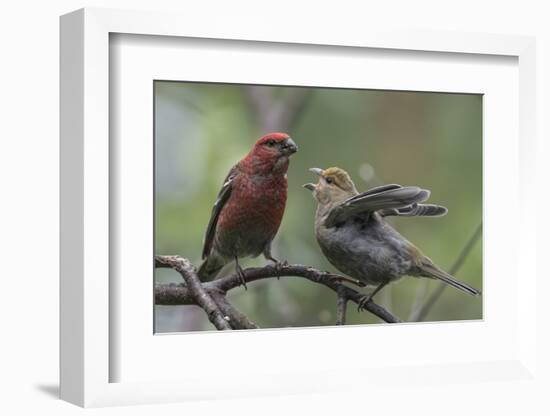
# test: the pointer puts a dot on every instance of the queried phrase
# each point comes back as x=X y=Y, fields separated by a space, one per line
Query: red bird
x=249 y=208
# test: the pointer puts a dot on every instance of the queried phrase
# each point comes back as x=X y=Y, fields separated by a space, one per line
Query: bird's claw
x=240 y=273
x=279 y=265
x=361 y=305
x=367 y=298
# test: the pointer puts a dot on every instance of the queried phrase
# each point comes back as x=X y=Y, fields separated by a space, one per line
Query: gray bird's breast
x=370 y=251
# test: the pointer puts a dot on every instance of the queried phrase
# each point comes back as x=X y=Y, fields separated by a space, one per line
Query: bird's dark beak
x=310 y=186
x=288 y=147
x=318 y=171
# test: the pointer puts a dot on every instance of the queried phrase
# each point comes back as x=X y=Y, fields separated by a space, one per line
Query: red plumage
x=250 y=206
x=255 y=205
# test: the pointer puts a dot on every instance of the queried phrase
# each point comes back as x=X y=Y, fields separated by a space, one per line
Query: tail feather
x=433 y=271
x=210 y=268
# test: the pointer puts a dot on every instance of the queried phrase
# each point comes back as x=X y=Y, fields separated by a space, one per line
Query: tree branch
x=200 y=296
x=237 y=320
x=332 y=281
x=174 y=294
x=341 y=307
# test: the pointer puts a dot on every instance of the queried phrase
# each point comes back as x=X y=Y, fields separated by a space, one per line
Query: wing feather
x=223 y=196
x=377 y=190
x=415 y=210
x=394 y=197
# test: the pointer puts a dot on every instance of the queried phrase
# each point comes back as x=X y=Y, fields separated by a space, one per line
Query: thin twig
x=421 y=313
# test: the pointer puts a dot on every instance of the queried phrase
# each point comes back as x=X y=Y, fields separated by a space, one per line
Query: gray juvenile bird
x=353 y=235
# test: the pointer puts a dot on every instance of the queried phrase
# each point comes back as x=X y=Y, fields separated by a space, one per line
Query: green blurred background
x=433 y=140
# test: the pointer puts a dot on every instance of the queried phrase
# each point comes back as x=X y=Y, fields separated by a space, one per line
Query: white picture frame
x=87 y=356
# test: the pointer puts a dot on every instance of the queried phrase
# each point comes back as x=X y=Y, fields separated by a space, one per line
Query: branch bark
x=341 y=307
x=200 y=296
x=237 y=320
x=180 y=294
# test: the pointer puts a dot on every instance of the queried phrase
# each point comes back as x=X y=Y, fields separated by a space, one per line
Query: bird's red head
x=271 y=152
x=277 y=137
x=274 y=143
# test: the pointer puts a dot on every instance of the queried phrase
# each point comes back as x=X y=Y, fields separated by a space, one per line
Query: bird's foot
x=279 y=265
x=361 y=305
x=367 y=298
x=240 y=273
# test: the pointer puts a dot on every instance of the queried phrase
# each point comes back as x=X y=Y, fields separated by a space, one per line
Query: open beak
x=289 y=147
x=312 y=186
x=318 y=171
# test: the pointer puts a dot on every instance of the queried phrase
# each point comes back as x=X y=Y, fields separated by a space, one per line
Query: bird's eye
x=271 y=143
x=329 y=180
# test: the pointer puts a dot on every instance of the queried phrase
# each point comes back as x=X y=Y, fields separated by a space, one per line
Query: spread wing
x=415 y=210
x=387 y=197
x=223 y=196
